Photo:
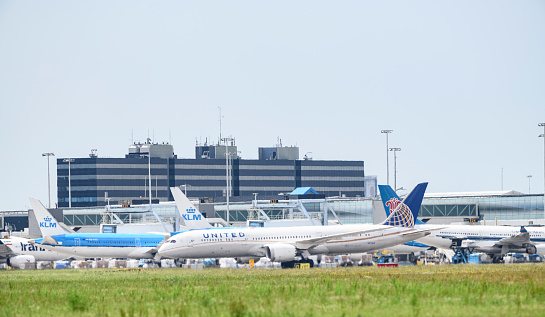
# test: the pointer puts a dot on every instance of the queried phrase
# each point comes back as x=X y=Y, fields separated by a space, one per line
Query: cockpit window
x=172 y=241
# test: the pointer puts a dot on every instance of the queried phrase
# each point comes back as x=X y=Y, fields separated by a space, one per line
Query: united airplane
x=495 y=241
x=292 y=245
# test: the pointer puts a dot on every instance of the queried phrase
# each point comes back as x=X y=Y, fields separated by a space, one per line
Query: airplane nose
x=165 y=250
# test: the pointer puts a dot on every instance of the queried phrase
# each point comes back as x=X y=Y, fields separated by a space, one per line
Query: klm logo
x=47 y=223
x=191 y=214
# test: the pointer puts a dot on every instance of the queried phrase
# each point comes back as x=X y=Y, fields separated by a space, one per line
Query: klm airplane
x=117 y=245
x=291 y=245
x=495 y=241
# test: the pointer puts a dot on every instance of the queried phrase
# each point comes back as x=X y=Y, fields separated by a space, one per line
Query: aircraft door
x=77 y=242
x=137 y=242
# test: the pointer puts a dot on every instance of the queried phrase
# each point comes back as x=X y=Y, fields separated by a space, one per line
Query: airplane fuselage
x=479 y=236
x=22 y=246
x=103 y=245
x=241 y=242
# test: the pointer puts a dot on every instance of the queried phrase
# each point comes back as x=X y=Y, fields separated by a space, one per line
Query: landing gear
x=292 y=264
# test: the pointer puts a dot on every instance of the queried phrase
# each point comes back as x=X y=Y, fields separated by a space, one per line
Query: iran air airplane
x=292 y=245
x=122 y=245
x=495 y=241
x=17 y=251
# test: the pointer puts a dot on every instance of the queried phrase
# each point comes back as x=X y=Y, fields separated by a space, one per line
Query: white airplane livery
x=496 y=241
x=117 y=245
x=18 y=251
x=292 y=245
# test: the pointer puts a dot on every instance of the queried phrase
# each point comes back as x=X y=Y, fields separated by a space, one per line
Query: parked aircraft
x=119 y=245
x=292 y=245
x=495 y=241
x=16 y=251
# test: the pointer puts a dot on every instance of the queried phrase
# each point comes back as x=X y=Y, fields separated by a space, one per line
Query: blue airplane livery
x=495 y=241
x=112 y=245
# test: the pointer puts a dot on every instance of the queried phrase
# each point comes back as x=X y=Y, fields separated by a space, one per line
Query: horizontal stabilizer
x=519 y=240
x=49 y=240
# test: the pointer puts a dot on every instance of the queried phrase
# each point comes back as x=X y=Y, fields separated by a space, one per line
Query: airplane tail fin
x=46 y=222
x=190 y=216
x=390 y=201
x=406 y=212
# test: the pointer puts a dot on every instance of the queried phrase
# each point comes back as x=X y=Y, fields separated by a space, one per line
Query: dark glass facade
x=126 y=180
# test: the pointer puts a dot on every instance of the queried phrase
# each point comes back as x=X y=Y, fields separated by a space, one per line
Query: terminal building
x=488 y=208
x=145 y=174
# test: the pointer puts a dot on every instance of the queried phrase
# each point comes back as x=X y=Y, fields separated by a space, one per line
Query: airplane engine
x=540 y=249
x=281 y=252
x=531 y=249
x=246 y=259
x=20 y=261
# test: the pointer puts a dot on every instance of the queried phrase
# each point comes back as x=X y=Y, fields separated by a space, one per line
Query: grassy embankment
x=484 y=290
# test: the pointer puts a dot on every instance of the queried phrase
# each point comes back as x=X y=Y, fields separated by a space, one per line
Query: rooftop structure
x=149 y=169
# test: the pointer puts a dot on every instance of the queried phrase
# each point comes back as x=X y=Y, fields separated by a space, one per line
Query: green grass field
x=448 y=290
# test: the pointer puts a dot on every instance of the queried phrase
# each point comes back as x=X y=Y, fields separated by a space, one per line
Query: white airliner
x=18 y=251
x=496 y=241
x=292 y=245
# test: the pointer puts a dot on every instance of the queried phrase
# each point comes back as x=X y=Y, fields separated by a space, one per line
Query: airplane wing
x=5 y=251
x=519 y=240
x=155 y=250
x=45 y=240
x=309 y=243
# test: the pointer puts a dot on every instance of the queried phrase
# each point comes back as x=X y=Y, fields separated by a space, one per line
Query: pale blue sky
x=462 y=84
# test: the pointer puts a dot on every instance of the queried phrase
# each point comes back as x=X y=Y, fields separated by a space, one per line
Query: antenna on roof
x=220 y=124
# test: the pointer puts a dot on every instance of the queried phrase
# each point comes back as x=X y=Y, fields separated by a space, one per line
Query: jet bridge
x=293 y=211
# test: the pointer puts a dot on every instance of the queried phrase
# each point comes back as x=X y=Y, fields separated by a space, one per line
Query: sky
x=461 y=84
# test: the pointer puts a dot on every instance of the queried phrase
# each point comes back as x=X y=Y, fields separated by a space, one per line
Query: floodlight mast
x=387 y=159
x=69 y=160
x=395 y=149
x=543 y=136
x=48 y=178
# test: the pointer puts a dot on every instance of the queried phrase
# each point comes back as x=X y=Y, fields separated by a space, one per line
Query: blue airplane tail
x=390 y=201
x=402 y=213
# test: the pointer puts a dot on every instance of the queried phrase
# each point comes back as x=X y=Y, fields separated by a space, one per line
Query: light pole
x=387 y=159
x=227 y=174
x=395 y=149
x=529 y=177
x=48 y=180
x=69 y=160
x=185 y=189
x=543 y=136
